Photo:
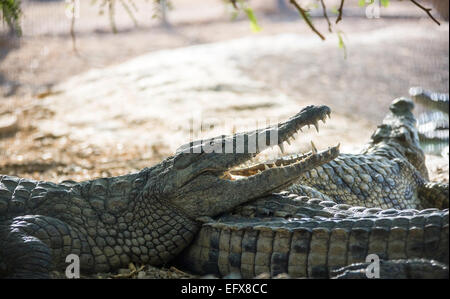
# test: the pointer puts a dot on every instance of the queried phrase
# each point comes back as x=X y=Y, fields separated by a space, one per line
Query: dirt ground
x=126 y=101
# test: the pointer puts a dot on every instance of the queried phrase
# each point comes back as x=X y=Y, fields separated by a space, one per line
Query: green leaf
x=362 y=3
x=250 y=15
x=342 y=44
x=385 y=3
x=253 y=22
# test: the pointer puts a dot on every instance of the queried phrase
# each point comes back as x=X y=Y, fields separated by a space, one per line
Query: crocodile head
x=397 y=136
x=204 y=177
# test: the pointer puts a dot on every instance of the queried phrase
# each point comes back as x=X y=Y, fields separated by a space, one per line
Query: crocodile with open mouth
x=145 y=217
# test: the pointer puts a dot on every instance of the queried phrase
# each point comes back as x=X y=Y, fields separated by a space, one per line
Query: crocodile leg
x=35 y=244
x=23 y=256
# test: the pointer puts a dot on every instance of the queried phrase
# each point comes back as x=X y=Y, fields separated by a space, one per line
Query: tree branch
x=324 y=9
x=427 y=10
x=306 y=18
x=341 y=7
x=72 y=27
x=233 y=2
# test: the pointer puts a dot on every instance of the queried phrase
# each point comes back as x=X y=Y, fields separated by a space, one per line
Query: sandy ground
x=127 y=101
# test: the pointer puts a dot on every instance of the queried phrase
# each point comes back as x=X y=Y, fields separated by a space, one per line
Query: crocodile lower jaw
x=284 y=163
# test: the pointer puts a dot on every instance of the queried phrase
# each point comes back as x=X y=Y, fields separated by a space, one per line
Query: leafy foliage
x=110 y=5
x=239 y=5
x=10 y=13
x=130 y=7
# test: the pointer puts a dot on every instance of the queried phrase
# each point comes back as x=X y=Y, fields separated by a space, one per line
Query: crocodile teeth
x=316 y=124
x=281 y=147
x=288 y=142
x=266 y=167
x=324 y=119
x=329 y=115
x=294 y=136
x=314 y=149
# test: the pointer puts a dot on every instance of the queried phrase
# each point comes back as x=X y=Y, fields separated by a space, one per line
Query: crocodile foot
x=21 y=255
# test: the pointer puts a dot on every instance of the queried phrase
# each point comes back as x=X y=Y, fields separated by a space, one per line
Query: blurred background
x=121 y=93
